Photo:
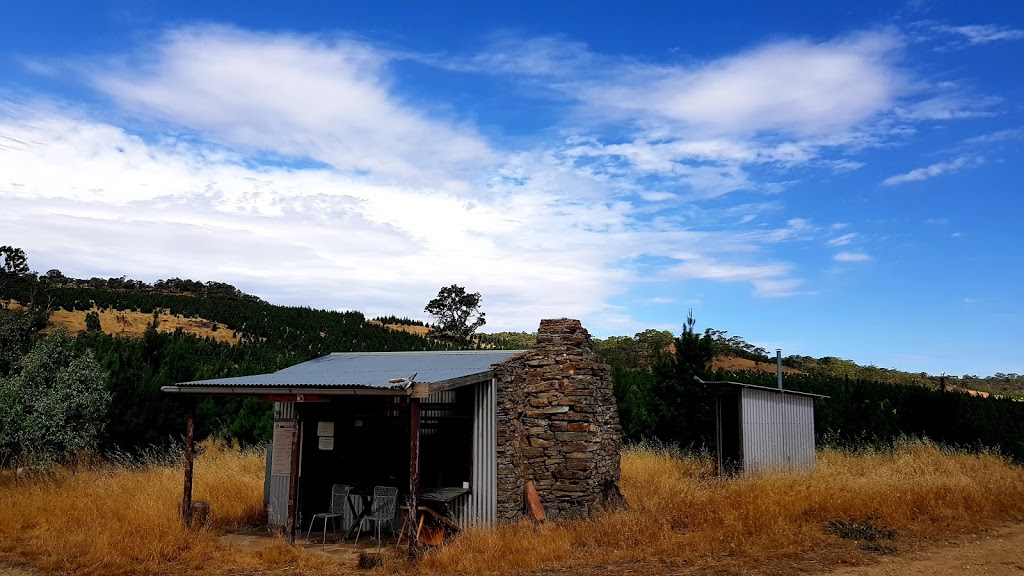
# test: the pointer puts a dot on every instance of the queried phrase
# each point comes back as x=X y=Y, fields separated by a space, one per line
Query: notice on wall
x=282 y=455
x=326 y=443
x=325 y=428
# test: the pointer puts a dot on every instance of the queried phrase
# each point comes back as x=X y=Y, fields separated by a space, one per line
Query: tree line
x=96 y=377
x=663 y=401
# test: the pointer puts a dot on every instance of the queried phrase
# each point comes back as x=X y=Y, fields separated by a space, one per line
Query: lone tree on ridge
x=452 y=309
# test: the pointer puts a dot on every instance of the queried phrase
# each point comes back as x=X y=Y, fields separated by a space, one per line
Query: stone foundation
x=557 y=426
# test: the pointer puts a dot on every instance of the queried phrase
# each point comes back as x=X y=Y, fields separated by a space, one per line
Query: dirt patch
x=999 y=552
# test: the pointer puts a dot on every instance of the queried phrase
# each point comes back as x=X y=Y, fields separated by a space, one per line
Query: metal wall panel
x=438 y=398
x=778 y=430
x=277 y=506
x=481 y=506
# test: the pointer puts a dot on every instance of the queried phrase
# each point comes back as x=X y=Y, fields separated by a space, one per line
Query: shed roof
x=726 y=384
x=394 y=373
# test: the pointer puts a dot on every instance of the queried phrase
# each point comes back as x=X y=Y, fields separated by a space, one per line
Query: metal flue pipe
x=778 y=365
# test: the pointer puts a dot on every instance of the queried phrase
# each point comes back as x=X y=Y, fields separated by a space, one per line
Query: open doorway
x=728 y=434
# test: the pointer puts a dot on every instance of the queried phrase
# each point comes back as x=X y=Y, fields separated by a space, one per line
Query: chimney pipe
x=778 y=365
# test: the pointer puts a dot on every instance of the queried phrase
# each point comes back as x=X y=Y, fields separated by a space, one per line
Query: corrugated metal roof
x=368 y=370
x=756 y=387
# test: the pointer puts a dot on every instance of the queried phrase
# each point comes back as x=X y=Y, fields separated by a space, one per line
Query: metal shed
x=759 y=428
x=411 y=419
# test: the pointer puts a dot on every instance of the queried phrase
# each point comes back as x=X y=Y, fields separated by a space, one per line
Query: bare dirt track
x=998 y=552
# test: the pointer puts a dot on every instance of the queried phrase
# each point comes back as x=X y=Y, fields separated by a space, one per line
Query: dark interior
x=729 y=449
x=371 y=446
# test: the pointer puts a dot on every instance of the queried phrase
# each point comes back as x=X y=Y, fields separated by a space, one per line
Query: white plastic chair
x=339 y=499
x=382 y=510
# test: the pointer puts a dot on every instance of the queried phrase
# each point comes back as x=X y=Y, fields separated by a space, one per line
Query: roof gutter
x=265 y=390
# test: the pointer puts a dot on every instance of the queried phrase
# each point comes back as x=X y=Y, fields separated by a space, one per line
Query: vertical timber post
x=186 y=497
x=293 y=478
x=414 y=474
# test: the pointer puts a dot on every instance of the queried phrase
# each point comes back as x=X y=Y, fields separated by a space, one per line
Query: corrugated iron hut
x=474 y=426
x=759 y=428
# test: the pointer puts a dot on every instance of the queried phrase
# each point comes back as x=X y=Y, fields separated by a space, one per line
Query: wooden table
x=442 y=498
x=439 y=498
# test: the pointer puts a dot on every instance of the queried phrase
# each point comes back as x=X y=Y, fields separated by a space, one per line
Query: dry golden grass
x=680 y=515
x=737 y=364
x=417 y=330
x=106 y=520
x=132 y=324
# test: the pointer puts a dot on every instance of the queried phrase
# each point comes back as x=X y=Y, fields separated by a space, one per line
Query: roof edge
x=270 y=390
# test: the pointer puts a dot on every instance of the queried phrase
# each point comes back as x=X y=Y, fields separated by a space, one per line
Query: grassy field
x=132 y=324
x=114 y=520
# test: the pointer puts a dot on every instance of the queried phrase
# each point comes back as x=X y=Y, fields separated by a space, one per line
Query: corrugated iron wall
x=481 y=507
x=277 y=507
x=778 y=430
x=437 y=400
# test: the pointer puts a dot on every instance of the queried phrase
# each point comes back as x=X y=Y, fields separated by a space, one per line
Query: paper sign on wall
x=282 y=454
x=325 y=428
x=327 y=442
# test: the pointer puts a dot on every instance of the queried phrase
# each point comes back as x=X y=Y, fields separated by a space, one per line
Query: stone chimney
x=557 y=426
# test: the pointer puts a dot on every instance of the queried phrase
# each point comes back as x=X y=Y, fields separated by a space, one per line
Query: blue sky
x=830 y=178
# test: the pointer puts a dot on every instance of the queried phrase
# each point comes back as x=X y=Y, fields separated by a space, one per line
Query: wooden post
x=293 y=478
x=414 y=474
x=186 y=497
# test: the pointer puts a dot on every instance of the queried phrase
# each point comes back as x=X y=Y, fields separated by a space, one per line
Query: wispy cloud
x=852 y=257
x=843 y=240
x=949 y=107
x=933 y=170
x=975 y=34
x=790 y=87
x=301 y=96
x=997 y=136
x=770 y=280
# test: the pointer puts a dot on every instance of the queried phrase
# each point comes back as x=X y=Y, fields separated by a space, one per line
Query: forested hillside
x=654 y=370
x=139 y=415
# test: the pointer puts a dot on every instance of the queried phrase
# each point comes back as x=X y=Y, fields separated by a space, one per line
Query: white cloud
x=852 y=257
x=844 y=166
x=983 y=33
x=769 y=279
x=791 y=87
x=329 y=100
x=97 y=198
x=949 y=107
x=293 y=164
x=933 y=170
x=79 y=192
x=998 y=136
x=842 y=240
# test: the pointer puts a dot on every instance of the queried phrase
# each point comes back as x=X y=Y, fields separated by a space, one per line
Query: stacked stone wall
x=557 y=425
